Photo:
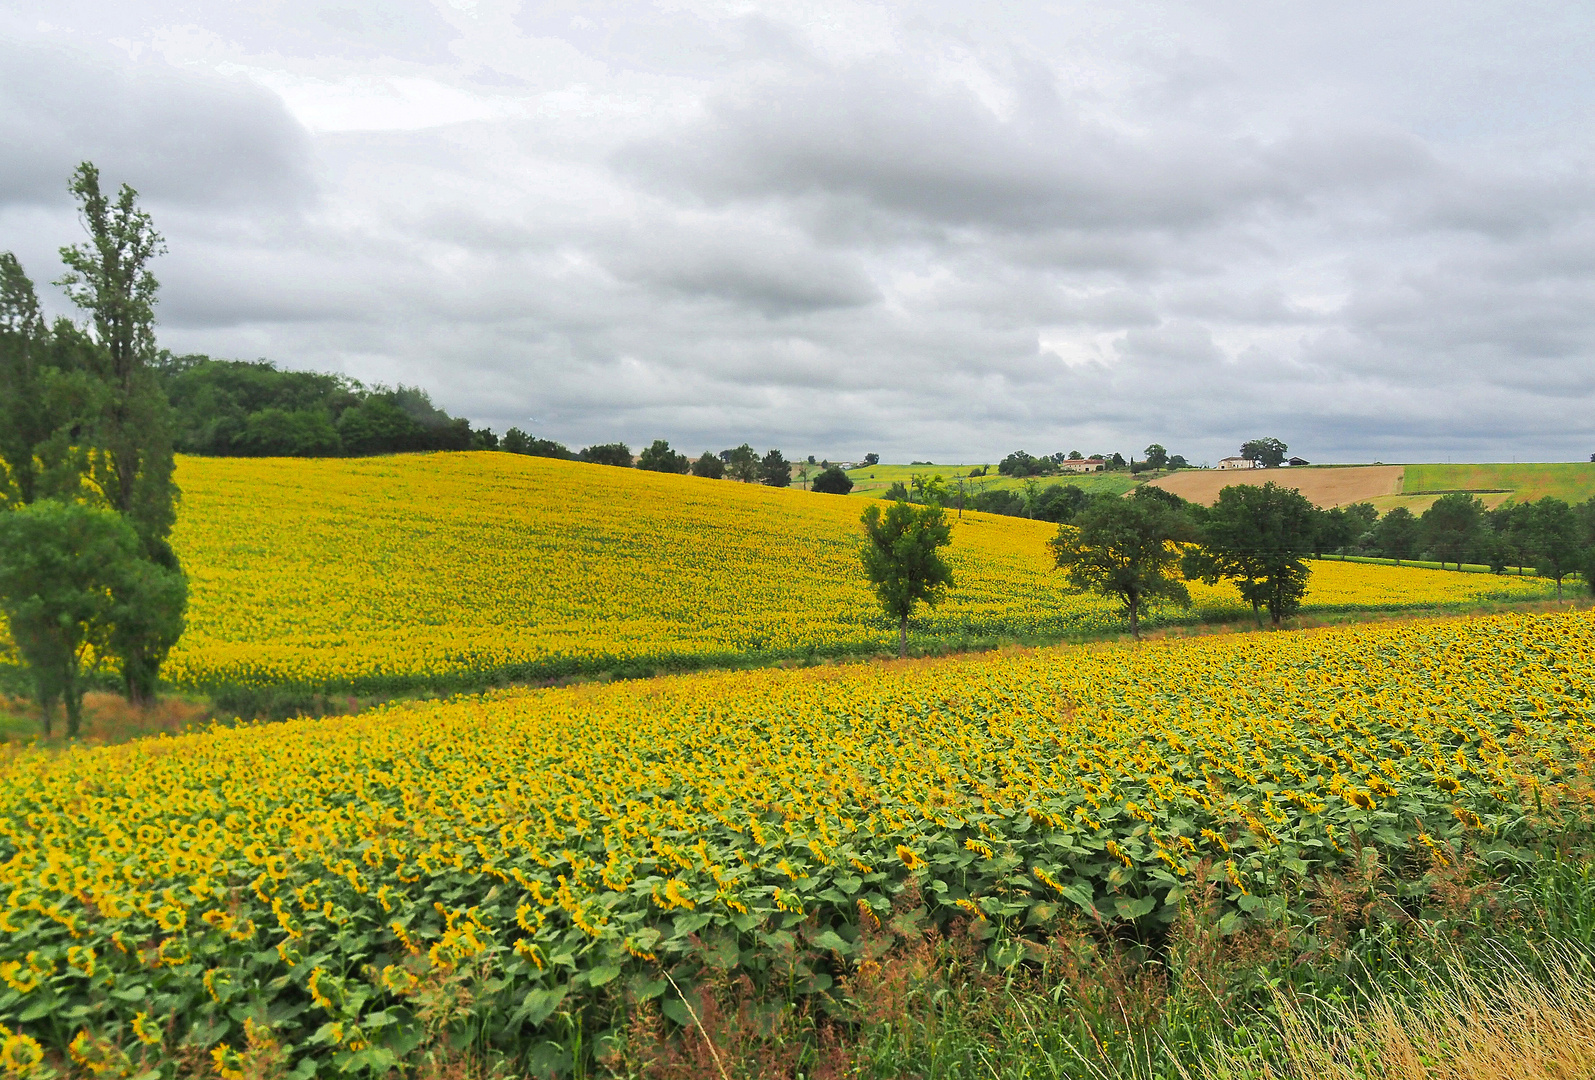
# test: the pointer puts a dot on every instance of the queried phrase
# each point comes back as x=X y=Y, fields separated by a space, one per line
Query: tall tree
x=1257 y=537
x=742 y=463
x=902 y=559
x=709 y=466
x=1450 y=527
x=658 y=457
x=1156 y=456
x=64 y=574
x=1268 y=453
x=1555 y=540
x=109 y=278
x=1127 y=549
x=775 y=470
x=1397 y=534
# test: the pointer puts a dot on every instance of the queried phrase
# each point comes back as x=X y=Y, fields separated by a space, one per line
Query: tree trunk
x=74 y=711
x=1135 y=622
x=1257 y=613
x=902 y=639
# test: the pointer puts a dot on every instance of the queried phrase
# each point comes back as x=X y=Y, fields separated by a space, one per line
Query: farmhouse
x=1237 y=463
x=1082 y=465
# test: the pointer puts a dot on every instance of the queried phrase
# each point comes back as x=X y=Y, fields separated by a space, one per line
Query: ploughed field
x=317 y=884
x=450 y=571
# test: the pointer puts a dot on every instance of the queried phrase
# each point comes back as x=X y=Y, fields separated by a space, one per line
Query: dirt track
x=1325 y=487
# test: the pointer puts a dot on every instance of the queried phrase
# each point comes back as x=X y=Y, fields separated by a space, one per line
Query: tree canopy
x=903 y=561
x=833 y=481
x=1257 y=537
x=658 y=457
x=1127 y=549
x=1268 y=452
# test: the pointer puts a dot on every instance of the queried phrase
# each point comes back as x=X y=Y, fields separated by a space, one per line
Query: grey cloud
x=178 y=136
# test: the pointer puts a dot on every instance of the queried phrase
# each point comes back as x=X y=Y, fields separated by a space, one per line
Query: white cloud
x=840 y=227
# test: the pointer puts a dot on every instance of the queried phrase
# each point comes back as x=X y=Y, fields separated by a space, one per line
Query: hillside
x=452 y=570
x=873 y=481
x=1324 y=486
x=1412 y=486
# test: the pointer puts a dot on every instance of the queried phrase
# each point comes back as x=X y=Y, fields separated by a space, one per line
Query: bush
x=660 y=458
x=833 y=481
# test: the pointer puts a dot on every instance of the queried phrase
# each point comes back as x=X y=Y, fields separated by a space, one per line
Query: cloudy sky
x=931 y=230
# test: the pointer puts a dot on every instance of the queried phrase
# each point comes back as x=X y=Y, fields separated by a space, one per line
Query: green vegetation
x=1126 y=549
x=1257 y=537
x=903 y=560
x=87 y=500
x=1571 y=481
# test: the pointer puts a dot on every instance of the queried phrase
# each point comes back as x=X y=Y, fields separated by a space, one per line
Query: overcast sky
x=938 y=231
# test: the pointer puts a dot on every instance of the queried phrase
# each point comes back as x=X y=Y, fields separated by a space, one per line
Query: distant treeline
x=237 y=408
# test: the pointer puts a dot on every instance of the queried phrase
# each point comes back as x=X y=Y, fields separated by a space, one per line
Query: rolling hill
x=455 y=570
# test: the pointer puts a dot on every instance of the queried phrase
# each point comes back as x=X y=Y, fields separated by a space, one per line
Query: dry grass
x=1513 y=1025
x=1324 y=487
x=107 y=718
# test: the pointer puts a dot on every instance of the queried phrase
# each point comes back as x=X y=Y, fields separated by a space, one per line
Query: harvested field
x=1326 y=487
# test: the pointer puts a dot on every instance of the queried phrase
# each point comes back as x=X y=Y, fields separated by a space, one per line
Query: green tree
x=660 y=458
x=903 y=561
x=1397 y=534
x=1257 y=537
x=833 y=481
x=1156 y=456
x=66 y=573
x=1332 y=531
x=1555 y=540
x=131 y=432
x=1127 y=549
x=1451 y=526
x=710 y=466
x=929 y=489
x=617 y=454
x=775 y=470
x=742 y=463
x=1269 y=453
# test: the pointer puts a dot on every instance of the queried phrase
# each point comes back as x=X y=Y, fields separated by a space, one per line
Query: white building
x=1237 y=463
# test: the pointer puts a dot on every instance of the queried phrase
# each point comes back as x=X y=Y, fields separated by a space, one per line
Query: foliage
x=98 y=429
x=1269 y=452
x=1397 y=534
x=658 y=457
x=903 y=561
x=516 y=441
x=875 y=459
x=236 y=408
x=1127 y=549
x=511 y=871
x=1555 y=541
x=1156 y=456
x=1257 y=537
x=742 y=463
x=616 y=454
x=709 y=466
x=70 y=580
x=1019 y=463
x=775 y=470
x=1451 y=527
x=833 y=481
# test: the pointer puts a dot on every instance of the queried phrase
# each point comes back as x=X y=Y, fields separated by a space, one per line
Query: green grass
x=872 y=481
x=1467 y=568
x=1573 y=481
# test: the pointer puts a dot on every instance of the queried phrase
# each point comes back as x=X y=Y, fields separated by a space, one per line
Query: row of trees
x=234 y=408
x=1146 y=547
x=87 y=503
x=1554 y=537
x=741 y=463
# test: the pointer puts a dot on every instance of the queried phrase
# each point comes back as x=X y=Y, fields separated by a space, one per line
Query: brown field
x=1324 y=487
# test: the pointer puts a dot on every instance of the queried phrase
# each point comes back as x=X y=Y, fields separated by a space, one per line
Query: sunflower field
x=313 y=889
x=453 y=571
